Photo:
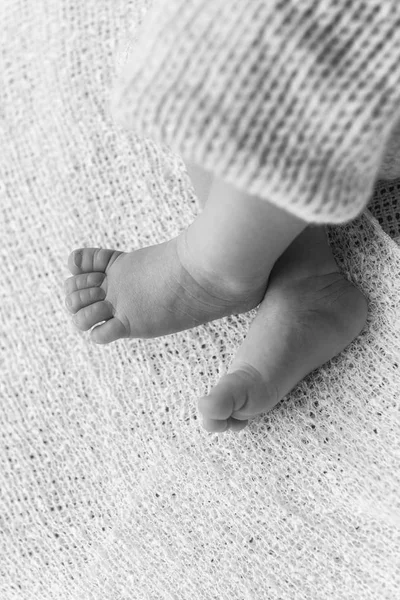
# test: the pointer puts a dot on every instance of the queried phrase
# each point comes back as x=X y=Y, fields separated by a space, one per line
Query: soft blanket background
x=109 y=487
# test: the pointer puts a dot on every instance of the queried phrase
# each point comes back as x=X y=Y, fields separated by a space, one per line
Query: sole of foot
x=303 y=322
x=151 y=292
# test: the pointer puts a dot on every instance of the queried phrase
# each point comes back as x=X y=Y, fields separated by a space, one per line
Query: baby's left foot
x=151 y=292
x=309 y=314
x=217 y=267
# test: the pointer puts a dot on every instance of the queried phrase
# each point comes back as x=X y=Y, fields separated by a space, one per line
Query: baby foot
x=309 y=314
x=217 y=267
x=151 y=292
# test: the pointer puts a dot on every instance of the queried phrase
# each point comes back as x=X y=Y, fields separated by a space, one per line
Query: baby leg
x=310 y=312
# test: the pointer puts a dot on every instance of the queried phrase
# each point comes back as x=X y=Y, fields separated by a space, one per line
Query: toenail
x=68 y=301
x=78 y=259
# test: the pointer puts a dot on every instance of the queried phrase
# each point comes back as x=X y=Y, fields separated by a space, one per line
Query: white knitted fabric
x=292 y=100
x=110 y=489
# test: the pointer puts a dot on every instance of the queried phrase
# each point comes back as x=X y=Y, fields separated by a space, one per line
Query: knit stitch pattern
x=110 y=489
x=291 y=100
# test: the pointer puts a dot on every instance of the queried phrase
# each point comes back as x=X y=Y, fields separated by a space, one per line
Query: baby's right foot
x=151 y=292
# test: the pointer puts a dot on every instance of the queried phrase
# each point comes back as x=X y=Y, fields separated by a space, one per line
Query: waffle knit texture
x=110 y=489
x=292 y=100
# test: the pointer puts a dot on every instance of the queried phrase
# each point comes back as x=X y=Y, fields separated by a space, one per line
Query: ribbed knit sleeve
x=290 y=100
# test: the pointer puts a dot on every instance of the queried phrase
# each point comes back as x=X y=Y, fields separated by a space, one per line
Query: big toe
x=237 y=397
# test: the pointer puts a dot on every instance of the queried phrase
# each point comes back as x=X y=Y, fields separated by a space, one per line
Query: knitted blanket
x=110 y=489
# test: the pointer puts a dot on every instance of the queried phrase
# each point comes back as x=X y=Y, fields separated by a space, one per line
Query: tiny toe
x=81 y=298
x=108 y=332
x=235 y=425
x=90 y=315
x=80 y=282
x=257 y=395
x=215 y=426
x=240 y=395
x=216 y=405
x=228 y=396
x=86 y=260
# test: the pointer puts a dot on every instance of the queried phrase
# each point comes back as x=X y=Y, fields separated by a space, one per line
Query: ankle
x=223 y=283
x=309 y=255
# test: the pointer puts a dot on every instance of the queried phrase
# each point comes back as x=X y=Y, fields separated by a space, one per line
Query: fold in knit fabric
x=291 y=100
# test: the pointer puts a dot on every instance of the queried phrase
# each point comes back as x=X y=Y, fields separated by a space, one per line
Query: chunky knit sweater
x=292 y=100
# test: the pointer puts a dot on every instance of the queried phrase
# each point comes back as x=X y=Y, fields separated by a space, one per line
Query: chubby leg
x=309 y=314
x=239 y=236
